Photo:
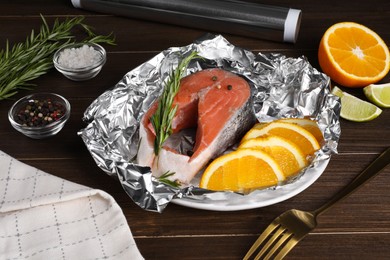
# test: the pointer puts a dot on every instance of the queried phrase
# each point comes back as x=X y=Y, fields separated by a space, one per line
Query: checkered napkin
x=45 y=217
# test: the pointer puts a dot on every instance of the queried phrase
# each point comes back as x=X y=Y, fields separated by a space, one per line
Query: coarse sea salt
x=81 y=57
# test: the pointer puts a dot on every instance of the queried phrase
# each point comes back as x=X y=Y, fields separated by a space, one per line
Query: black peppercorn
x=37 y=113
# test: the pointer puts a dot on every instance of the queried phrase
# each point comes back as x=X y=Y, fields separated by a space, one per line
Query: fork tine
x=270 y=241
x=287 y=248
x=266 y=233
x=278 y=245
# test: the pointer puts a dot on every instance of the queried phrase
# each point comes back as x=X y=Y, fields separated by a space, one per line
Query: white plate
x=260 y=198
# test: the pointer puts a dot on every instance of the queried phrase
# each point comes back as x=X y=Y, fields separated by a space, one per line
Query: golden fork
x=293 y=225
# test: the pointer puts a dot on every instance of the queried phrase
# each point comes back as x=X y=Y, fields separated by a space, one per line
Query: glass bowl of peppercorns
x=39 y=115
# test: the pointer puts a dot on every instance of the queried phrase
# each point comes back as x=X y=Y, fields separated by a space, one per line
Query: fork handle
x=372 y=170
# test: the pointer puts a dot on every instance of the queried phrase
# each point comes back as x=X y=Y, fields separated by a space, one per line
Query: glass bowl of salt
x=80 y=61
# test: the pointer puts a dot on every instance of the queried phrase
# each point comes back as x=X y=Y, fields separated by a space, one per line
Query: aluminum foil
x=281 y=87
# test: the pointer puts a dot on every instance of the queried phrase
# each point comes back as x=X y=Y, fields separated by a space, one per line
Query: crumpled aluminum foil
x=281 y=87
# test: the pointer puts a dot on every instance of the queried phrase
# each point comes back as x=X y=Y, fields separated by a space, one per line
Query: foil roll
x=235 y=17
x=282 y=87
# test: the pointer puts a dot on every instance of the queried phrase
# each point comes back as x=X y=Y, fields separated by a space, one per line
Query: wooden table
x=358 y=228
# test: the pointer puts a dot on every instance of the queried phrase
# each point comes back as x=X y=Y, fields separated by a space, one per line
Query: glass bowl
x=80 y=61
x=39 y=115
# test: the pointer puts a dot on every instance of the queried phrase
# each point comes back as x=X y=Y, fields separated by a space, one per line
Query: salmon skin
x=215 y=102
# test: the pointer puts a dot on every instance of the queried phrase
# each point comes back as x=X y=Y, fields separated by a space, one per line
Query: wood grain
x=357 y=228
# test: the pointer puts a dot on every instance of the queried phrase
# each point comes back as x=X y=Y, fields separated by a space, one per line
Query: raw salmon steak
x=216 y=103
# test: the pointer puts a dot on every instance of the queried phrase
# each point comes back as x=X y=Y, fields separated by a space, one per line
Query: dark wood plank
x=343 y=246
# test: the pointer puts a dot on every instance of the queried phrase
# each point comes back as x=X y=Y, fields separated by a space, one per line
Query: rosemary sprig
x=28 y=60
x=164 y=179
x=162 y=119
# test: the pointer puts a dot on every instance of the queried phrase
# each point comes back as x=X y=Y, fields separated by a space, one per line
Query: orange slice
x=242 y=170
x=353 y=55
x=289 y=156
x=293 y=132
x=309 y=125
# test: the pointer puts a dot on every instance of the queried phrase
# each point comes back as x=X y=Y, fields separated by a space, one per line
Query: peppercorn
x=214 y=78
x=229 y=87
x=38 y=113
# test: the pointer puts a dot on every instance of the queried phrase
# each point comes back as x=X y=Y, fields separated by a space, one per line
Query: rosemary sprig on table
x=162 y=119
x=28 y=60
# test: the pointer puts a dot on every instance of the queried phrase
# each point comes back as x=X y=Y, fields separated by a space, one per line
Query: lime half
x=378 y=94
x=355 y=109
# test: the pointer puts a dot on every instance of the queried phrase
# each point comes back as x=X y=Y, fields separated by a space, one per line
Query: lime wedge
x=378 y=94
x=355 y=109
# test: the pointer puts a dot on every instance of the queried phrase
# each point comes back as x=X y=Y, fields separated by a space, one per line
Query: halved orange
x=293 y=132
x=287 y=154
x=242 y=170
x=353 y=55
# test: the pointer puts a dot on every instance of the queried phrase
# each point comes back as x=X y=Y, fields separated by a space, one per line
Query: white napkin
x=46 y=217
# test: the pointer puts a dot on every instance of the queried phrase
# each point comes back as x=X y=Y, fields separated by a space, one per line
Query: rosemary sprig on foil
x=162 y=119
x=164 y=179
x=28 y=60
